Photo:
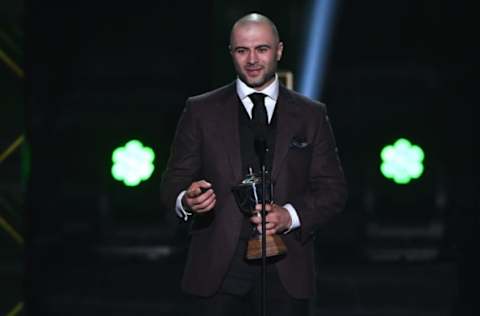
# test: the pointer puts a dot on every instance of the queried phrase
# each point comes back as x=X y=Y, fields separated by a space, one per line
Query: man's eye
x=241 y=51
x=263 y=49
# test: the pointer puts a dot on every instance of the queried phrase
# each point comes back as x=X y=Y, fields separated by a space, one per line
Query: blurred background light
x=132 y=163
x=320 y=28
x=402 y=161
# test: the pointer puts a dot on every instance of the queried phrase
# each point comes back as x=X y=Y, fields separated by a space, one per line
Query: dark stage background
x=101 y=73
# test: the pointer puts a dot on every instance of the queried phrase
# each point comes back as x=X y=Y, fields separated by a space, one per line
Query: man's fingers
x=194 y=192
x=200 y=196
x=210 y=206
x=269 y=227
x=268 y=207
x=275 y=220
x=204 y=184
x=193 y=202
x=271 y=218
x=197 y=188
x=205 y=202
x=256 y=219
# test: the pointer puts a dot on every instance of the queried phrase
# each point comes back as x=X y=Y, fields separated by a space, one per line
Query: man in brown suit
x=212 y=152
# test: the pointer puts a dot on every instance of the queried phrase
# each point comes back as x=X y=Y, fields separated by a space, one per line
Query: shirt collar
x=244 y=91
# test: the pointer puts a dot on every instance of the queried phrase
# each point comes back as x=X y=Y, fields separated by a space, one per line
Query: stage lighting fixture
x=132 y=163
x=402 y=161
x=320 y=28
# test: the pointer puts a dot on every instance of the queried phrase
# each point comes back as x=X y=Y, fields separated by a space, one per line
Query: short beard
x=257 y=83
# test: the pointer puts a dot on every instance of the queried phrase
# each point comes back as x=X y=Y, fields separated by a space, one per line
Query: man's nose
x=252 y=57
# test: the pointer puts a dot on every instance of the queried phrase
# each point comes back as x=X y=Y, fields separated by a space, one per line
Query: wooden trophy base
x=275 y=247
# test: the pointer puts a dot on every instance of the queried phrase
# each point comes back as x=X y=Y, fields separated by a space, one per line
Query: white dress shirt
x=243 y=91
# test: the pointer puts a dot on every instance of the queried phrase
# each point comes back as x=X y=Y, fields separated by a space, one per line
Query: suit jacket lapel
x=229 y=129
x=287 y=121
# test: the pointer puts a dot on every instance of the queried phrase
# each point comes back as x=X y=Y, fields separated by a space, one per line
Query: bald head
x=255 y=49
x=252 y=19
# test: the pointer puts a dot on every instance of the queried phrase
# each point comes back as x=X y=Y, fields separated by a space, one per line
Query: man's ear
x=279 y=51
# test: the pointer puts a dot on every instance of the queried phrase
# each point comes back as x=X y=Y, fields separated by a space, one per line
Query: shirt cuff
x=181 y=212
x=294 y=216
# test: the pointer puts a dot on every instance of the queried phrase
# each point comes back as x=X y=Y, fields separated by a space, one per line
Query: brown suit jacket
x=306 y=173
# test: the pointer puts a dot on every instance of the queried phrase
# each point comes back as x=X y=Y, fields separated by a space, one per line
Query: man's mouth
x=253 y=71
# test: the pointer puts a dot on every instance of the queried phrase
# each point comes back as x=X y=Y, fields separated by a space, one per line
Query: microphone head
x=261 y=148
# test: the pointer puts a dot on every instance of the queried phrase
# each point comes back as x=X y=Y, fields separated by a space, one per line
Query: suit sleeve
x=327 y=190
x=184 y=164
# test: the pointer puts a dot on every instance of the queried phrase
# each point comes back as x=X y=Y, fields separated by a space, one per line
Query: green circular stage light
x=402 y=161
x=132 y=163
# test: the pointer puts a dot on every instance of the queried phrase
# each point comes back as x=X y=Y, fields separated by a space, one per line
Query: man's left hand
x=278 y=219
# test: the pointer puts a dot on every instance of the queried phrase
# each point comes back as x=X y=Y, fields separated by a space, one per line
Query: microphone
x=261 y=149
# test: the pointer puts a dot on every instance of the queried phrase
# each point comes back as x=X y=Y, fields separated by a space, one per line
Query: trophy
x=248 y=194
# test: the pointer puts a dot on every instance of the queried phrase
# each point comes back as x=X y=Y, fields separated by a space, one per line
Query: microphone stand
x=261 y=151
x=264 y=243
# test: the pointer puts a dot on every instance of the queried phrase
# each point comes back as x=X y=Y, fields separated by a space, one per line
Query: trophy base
x=275 y=247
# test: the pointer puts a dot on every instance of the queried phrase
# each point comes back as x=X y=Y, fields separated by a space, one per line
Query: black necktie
x=260 y=125
x=259 y=111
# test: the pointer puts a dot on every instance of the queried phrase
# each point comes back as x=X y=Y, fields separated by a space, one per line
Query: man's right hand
x=199 y=197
